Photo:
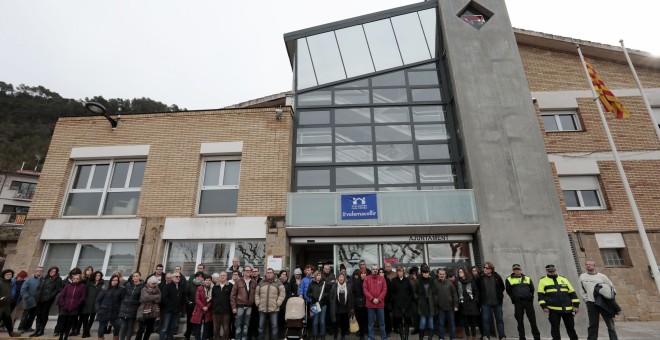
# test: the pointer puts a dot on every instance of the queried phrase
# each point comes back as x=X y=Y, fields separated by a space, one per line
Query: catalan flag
x=610 y=102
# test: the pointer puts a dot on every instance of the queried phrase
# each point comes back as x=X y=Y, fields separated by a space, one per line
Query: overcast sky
x=213 y=53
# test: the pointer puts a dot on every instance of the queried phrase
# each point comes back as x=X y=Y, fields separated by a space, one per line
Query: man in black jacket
x=491 y=291
x=172 y=303
x=520 y=289
x=221 y=295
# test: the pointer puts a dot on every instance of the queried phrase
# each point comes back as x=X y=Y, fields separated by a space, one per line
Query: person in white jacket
x=588 y=282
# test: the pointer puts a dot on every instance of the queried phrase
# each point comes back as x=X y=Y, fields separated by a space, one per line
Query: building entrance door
x=314 y=254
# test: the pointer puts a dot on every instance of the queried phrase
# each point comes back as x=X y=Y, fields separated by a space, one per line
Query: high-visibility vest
x=557 y=294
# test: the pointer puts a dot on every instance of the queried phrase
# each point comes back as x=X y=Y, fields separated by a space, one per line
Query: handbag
x=316 y=307
x=353 y=325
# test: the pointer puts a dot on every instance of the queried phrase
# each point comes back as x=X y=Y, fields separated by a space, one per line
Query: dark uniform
x=520 y=289
x=556 y=294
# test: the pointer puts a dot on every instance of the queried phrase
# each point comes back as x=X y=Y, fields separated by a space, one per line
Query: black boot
x=421 y=334
x=37 y=330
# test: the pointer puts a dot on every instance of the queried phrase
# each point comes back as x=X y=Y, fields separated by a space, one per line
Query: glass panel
x=305 y=76
x=451 y=255
x=232 y=172
x=350 y=255
x=438 y=187
x=410 y=37
x=390 y=95
x=357 y=83
x=428 y=23
x=100 y=174
x=550 y=123
x=313 y=117
x=313 y=178
x=83 y=204
x=571 y=199
x=396 y=174
x=394 y=152
x=314 y=135
x=403 y=254
x=567 y=123
x=137 y=175
x=312 y=190
x=384 y=50
x=436 y=173
x=92 y=255
x=352 y=116
x=355 y=175
x=393 y=133
x=315 y=98
x=182 y=254
x=353 y=153
x=431 y=132
x=404 y=188
x=430 y=66
x=389 y=79
x=224 y=201
x=353 y=134
x=590 y=198
x=354 y=189
x=212 y=173
x=119 y=175
x=354 y=51
x=431 y=113
x=121 y=259
x=426 y=95
x=325 y=57
x=423 y=78
x=396 y=114
x=59 y=255
x=215 y=257
x=309 y=154
x=82 y=176
x=347 y=97
x=252 y=252
x=433 y=151
x=121 y=203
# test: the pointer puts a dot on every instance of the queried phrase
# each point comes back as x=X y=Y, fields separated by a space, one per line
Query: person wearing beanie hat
x=520 y=289
x=5 y=300
x=559 y=300
x=16 y=306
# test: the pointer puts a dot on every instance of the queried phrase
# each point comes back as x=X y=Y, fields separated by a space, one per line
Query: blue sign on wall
x=359 y=207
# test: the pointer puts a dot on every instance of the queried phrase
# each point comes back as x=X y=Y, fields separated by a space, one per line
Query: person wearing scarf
x=341 y=305
x=149 y=310
x=202 y=316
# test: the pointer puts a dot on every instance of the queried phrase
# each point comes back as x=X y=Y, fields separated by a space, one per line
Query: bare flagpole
x=631 y=199
x=641 y=90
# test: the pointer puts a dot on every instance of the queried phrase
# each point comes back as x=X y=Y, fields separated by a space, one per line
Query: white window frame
x=106 y=188
x=579 y=184
x=556 y=114
x=76 y=256
x=200 y=247
x=203 y=187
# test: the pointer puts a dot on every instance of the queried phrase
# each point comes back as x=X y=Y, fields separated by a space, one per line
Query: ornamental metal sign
x=359 y=207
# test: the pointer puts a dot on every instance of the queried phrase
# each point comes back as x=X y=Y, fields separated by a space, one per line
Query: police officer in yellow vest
x=520 y=289
x=559 y=300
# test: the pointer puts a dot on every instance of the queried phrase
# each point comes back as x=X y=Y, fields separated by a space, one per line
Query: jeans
x=448 y=316
x=27 y=319
x=202 y=330
x=425 y=321
x=318 y=325
x=486 y=313
x=169 y=324
x=272 y=319
x=116 y=325
x=242 y=322
x=521 y=308
x=126 y=332
x=592 y=332
x=555 y=319
x=372 y=314
x=145 y=328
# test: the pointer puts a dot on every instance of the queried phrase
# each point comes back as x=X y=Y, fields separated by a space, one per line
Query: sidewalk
x=631 y=330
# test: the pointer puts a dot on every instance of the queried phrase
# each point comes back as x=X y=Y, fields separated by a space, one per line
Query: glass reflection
x=434 y=113
x=350 y=255
x=393 y=133
x=426 y=95
x=428 y=19
x=433 y=151
x=313 y=154
x=355 y=175
x=352 y=116
x=305 y=76
x=395 y=114
x=410 y=37
x=431 y=132
x=382 y=43
x=353 y=153
x=347 y=97
x=354 y=51
x=403 y=254
x=353 y=134
x=389 y=79
x=325 y=57
x=399 y=95
x=315 y=98
x=436 y=173
x=423 y=78
x=394 y=152
x=396 y=174
x=452 y=255
x=314 y=135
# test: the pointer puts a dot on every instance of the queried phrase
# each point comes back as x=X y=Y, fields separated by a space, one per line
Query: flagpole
x=631 y=199
x=641 y=90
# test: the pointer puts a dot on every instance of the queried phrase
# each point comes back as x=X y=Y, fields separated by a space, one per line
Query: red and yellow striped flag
x=609 y=100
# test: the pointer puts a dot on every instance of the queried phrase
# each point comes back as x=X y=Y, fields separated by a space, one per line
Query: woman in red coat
x=202 y=316
x=70 y=300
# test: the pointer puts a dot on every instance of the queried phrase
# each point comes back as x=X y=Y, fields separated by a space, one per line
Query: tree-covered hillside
x=28 y=116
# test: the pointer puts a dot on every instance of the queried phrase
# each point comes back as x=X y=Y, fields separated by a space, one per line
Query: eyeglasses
x=176 y=276
x=488 y=268
x=255 y=271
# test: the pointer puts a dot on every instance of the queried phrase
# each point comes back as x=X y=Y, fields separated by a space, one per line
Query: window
x=16 y=213
x=612 y=249
x=105 y=257
x=24 y=190
x=612 y=257
x=216 y=256
x=656 y=114
x=110 y=188
x=557 y=121
x=582 y=192
x=219 y=191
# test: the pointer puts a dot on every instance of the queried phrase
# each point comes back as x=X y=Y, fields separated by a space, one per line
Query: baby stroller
x=296 y=318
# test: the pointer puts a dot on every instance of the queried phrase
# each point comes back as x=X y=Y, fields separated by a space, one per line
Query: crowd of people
x=239 y=304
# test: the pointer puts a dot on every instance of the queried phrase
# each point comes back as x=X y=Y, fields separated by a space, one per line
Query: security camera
x=278 y=113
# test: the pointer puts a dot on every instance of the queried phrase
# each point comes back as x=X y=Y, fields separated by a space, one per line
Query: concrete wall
x=519 y=213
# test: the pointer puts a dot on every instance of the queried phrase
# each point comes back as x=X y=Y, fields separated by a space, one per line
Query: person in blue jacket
x=304 y=284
